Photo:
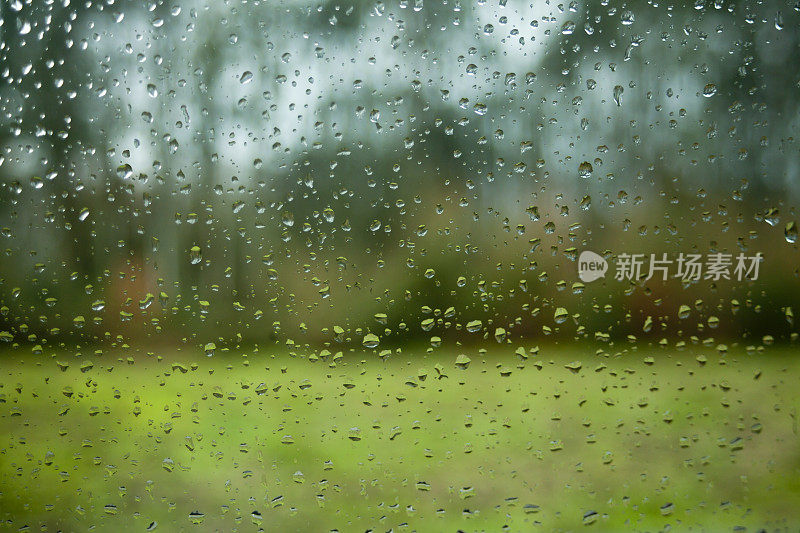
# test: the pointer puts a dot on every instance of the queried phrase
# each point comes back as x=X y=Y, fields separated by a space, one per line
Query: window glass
x=392 y=265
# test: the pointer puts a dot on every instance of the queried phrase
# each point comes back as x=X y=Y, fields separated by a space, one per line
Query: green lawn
x=638 y=440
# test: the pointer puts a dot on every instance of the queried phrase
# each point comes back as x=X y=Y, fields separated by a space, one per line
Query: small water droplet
x=195 y=255
x=709 y=90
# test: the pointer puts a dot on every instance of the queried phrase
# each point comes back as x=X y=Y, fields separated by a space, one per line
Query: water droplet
x=618 y=90
x=124 y=171
x=195 y=255
x=627 y=18
x=370 y=341
x=790 y=232
x=474 y=326
x=779 y=20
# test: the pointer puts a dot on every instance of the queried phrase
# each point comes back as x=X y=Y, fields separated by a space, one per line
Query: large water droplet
x=790 y=232
x=618 y=90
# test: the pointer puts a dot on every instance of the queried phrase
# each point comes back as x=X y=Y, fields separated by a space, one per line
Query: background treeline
x=273 y=171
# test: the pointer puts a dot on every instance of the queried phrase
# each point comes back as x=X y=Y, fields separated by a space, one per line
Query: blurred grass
x=644 y=443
